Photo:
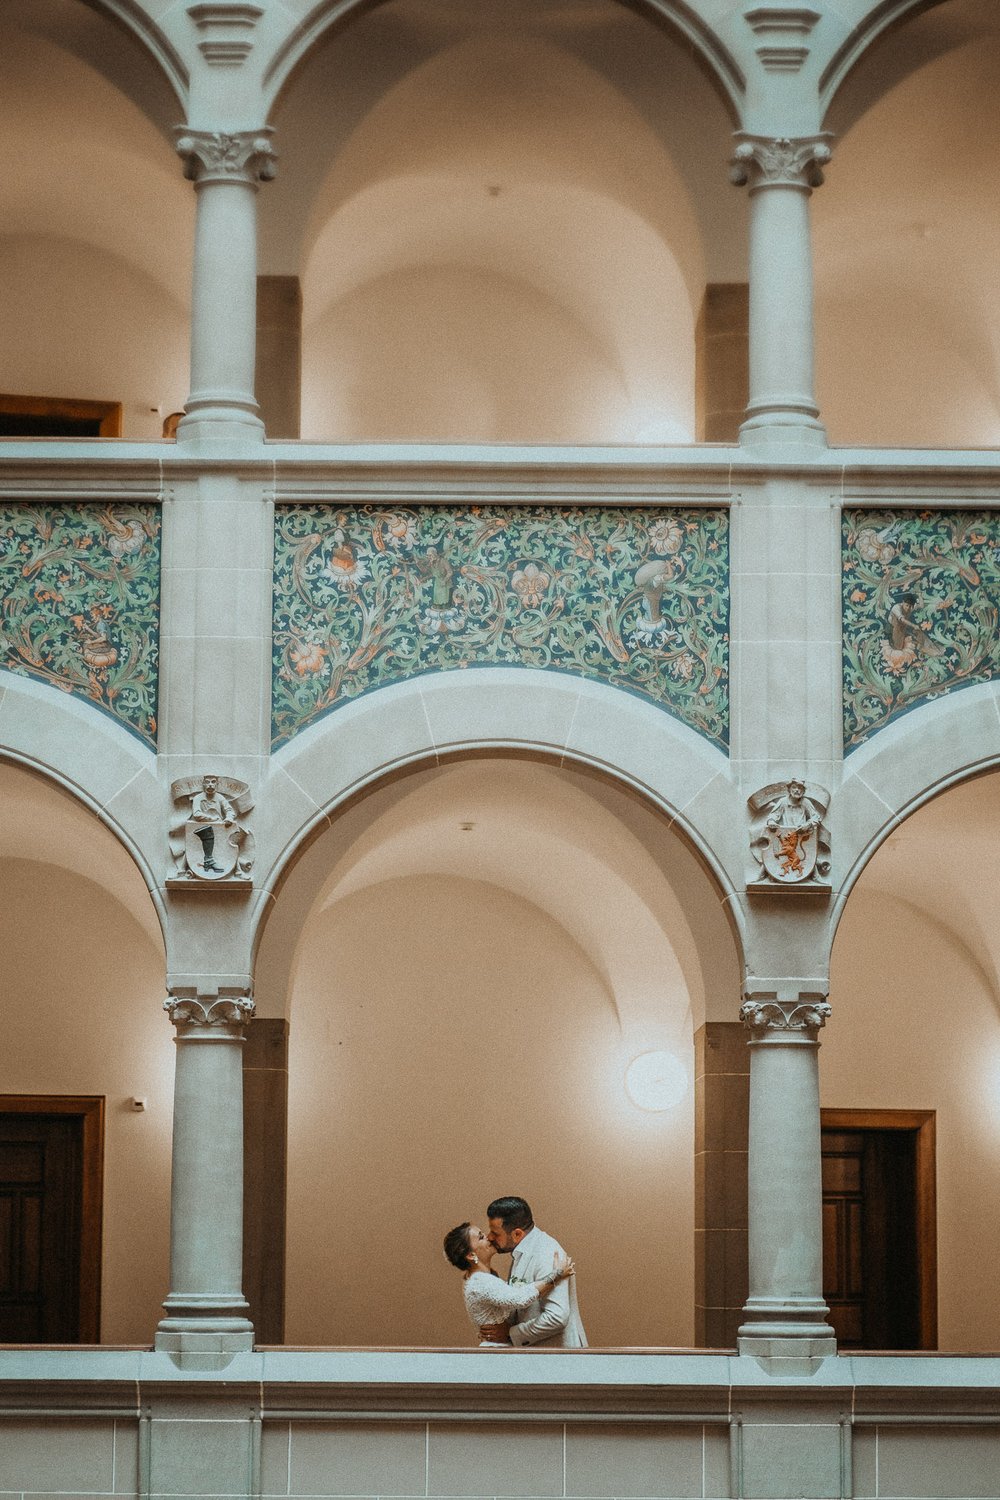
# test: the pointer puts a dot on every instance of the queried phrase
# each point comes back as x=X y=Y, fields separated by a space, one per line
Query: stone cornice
x=226 y=31
x=144 y=471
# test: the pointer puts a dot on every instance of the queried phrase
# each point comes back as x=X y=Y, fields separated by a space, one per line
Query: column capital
x=780 y=161
x=243 y=156
x=784 y=1008
x=220 y=1013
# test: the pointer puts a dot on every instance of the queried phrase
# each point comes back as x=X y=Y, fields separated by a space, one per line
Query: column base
x=786 y=1328
x=220 y=417
x=783 y=427
x=789 y=1356
x=204 y=1340
x=202 y=1350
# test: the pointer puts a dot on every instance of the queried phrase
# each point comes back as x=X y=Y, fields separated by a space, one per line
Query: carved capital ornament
x=780 y=161
x=214 y=1011
x=245 y=156
x=760 y=1016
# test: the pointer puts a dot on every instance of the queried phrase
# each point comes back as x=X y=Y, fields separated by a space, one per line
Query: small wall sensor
x=138 y=1105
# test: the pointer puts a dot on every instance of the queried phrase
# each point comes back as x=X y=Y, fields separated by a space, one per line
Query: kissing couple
x=536 y=1306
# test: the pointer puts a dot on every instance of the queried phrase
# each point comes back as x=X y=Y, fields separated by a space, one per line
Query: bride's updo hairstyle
x=456 y=1246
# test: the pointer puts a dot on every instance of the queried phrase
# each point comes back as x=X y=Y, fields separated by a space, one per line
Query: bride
x=488 y=1299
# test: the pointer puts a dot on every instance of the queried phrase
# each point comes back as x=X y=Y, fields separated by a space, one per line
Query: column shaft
x=224 y=316
x=226 y=170
x=781 y=298
x=205 y=1306
x=782 y=174
x=785 y=1307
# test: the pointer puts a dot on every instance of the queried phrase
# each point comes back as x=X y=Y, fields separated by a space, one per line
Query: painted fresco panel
x=920 y=600
x=635 y=598
x=81 y=602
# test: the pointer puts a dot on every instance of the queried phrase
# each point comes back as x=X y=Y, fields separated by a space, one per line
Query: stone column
x=785 y=1315
x=781 y=174
x=207 y=1313
x=226 y=171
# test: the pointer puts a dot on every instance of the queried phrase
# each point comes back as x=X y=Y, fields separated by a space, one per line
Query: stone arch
x=905 y=767
x=133 y=18
x=678 y=17
x=881 y=19
x=330 y=768
x=618 y=932
x=100 y=766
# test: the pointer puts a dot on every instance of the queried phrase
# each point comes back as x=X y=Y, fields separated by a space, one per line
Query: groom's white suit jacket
x=556 y=1321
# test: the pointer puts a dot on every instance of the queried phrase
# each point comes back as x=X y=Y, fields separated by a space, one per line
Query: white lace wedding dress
x=490 y=1300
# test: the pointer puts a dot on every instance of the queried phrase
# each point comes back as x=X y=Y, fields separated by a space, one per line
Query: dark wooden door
x=875 y=1254
x=49 y=1239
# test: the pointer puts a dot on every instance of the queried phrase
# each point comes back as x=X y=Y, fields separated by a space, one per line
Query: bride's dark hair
x=456 y=1245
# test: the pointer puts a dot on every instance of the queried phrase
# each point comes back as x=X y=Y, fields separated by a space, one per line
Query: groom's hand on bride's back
x=495 y=1333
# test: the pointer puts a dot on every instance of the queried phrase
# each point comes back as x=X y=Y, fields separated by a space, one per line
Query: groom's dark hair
x=513 y=1213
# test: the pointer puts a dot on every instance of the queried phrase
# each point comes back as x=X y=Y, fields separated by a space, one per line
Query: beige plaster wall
x=450 y=1042
x=84 y=323
x=87 y=1020
x=458 y=355
x=916 y=1025
x=907 y=338
x=97 y=233
x=81 y=980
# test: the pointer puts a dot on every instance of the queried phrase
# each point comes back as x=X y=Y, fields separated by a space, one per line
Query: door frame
x=90 y=1109
x=71 y=408
x=922 y=1121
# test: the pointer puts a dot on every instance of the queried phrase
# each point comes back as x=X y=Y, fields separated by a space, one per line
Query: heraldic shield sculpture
x=788 y=840
x=212 y=844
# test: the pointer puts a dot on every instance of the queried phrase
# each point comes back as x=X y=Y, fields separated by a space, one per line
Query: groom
x=555 y=1322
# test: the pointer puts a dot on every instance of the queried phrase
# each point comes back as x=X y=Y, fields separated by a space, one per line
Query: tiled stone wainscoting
x=457 y=1425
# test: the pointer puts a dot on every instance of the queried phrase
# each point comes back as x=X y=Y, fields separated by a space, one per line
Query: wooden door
x=879 y=1261
x=51 y=1152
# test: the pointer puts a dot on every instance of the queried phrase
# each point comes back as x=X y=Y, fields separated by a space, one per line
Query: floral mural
x=638 y=599
x=921 y=593
x=80 y=604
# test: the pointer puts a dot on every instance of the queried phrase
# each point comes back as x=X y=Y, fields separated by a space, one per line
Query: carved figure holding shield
x=212 y=843
x=788 y=839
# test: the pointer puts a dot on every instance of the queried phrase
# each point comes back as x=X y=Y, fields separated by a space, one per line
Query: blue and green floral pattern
x=921 y=591
x=80 y=604
x=638 y=599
